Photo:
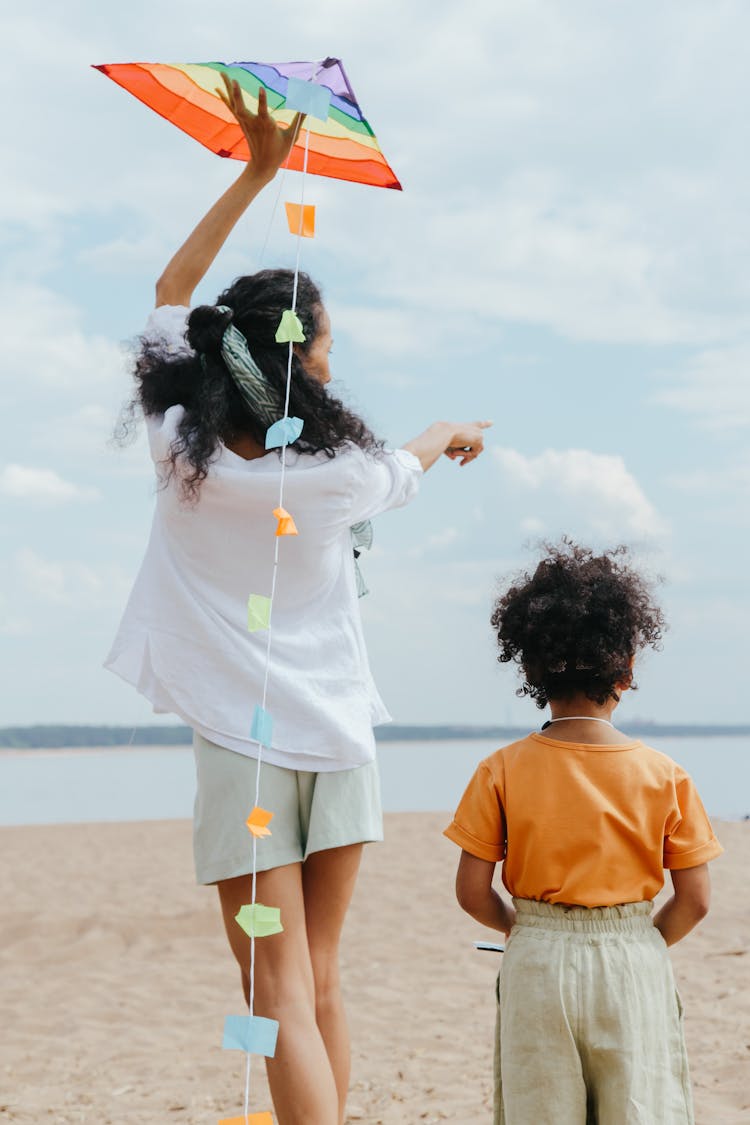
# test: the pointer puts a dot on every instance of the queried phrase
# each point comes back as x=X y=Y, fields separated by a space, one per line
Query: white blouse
x=183 y=641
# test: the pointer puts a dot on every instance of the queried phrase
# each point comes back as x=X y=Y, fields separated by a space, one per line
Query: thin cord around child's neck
x=566 y=718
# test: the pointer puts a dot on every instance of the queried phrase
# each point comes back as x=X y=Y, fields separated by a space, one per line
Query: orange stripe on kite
x=182 y=94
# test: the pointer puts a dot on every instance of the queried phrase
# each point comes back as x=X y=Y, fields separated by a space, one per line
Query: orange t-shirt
x=580 y=824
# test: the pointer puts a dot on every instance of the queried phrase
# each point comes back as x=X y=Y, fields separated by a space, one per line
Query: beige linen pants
x=589 y=1024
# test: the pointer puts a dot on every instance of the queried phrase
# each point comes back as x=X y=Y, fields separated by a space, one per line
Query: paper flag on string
x=264 y=1118
x=343 y=147
x=258 y=822
x=255 y=1035
x=262 y=726
x=258 y=612
x=361 y=534
x=283 y=432
x=309 y=98
x=307 y=214
x=258 y=920
x=290 y=329
x=287 y=525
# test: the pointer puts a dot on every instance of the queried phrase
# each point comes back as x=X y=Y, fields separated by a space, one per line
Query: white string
x=274 y=209
x=282 y=480
x=279 y=190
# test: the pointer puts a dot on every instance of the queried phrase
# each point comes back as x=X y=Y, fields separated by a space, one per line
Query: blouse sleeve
x=690 y=839
x=381 y=481
x=165 y=330
x=166 y=327
x=479 y=824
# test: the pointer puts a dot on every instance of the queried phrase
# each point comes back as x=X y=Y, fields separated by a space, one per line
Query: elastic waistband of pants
x=631 y=917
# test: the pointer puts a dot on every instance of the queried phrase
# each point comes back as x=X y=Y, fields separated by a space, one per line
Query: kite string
x=269 y=227
x=274 y=575
x=279 y=189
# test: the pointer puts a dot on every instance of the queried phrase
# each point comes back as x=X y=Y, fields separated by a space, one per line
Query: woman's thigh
x=313 y=899
x=283 y=970
x=328 y=879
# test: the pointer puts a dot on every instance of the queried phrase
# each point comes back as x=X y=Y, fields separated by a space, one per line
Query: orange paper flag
x=286 y=523
x=258 y=821
x=307 y=227
x=248 y=1119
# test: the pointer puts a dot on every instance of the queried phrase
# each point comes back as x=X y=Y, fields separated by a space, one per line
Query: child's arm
x=476 y=896
x=688 y=904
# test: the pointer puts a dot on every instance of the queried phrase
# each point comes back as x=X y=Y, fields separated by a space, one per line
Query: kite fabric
x=343 y=146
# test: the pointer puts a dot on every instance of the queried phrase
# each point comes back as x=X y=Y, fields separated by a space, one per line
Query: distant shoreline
x=62 y=737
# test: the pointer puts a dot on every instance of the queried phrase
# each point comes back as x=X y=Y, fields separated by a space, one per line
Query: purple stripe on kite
x=346 y=88
x=328 y=73
x=276 y=77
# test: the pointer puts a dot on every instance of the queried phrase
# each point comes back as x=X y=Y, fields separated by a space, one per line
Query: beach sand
x=115 y=983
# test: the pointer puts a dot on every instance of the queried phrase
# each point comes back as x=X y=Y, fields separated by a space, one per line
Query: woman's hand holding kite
x=269 y=144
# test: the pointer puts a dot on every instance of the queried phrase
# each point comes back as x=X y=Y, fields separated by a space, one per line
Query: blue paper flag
x=308 y=97
x=262 y=727
x=255 y=1035
x=283 y=432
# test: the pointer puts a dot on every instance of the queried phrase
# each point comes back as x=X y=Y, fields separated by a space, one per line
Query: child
x=584 y=819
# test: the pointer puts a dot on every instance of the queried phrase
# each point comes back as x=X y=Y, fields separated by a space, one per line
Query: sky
x=568 y=258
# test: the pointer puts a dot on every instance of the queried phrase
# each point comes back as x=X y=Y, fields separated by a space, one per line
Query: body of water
x=157 y=783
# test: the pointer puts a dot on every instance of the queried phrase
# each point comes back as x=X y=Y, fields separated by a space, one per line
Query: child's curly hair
x=576 y=624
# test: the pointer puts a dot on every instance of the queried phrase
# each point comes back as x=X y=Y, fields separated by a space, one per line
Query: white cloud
x=541 y=249
x=532 y=525
x=589 y=491
x=44 y=342
x=25 y=482
x=391 y=332
x=70 y=584
x=438 y=541
x=715 y=388
x=727 y=482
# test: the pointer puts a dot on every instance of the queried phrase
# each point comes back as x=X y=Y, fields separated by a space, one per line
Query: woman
x=184 y=640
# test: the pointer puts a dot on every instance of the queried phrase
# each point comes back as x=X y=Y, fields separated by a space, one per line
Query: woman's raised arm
x=269 y=147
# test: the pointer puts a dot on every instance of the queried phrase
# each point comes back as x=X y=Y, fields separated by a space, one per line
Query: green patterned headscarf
x=263 y=401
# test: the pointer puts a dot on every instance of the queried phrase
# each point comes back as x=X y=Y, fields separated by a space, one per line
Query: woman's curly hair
x=215 y=410
x=575 y=625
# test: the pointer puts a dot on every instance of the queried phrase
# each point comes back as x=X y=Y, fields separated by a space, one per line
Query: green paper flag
x=258 y=612
x=259 y=921
x=290 y=329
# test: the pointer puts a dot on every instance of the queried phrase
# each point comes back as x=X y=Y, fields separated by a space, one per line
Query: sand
x=115 y=981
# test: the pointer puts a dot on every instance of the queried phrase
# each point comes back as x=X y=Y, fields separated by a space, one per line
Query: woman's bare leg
x=328 y=879
x=300 y=1075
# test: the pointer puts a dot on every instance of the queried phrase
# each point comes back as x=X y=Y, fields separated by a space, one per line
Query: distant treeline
x=62 y=737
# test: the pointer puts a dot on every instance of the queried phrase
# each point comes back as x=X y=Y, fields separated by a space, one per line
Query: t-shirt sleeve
x=380 y=481
x=479 y=824
x=690 y=840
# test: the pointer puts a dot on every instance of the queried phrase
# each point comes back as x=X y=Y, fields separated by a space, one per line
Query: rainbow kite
x=342 y=145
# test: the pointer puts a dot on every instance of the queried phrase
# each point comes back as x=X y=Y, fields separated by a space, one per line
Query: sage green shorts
x=589 y=1023
x=311 y=812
